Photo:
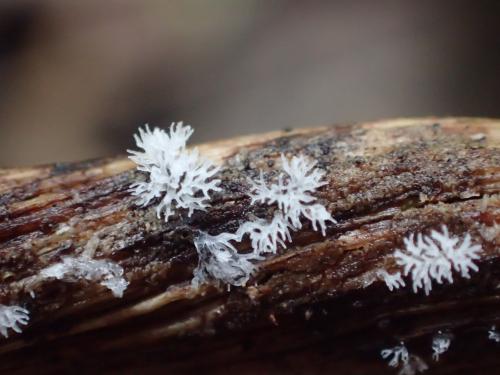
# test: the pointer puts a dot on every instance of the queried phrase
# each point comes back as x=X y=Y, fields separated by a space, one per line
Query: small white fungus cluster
x=408 y=364
x=433 y=258
x=440 y=344
x=179 y=178
x=398 y=353
x=11 y=317
x=291 y=194
x=493 y=334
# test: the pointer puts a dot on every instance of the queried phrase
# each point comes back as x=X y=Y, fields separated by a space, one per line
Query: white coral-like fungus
x=11 y=317
x=433 y=258
x=178 y=177
x=440 y=344
x=218 y=259
x=71 y=269
x=292 y=193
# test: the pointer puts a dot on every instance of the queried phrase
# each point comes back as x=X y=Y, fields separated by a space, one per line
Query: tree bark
x=318 y=306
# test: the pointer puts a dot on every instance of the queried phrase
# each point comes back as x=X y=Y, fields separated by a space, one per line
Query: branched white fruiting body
x=178 y=177
x=393 y=281
x=433 y=258
x=265 y=236
x=11 y=317
x=493 y=334
x=409 y=364
x=440 y=344
x=218 y=259
x=292 y=195
x=71 y=269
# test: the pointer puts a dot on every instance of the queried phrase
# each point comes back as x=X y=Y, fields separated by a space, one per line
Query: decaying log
x=316 y=307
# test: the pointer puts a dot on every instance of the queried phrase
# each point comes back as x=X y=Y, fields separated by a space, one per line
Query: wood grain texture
x=316 y=307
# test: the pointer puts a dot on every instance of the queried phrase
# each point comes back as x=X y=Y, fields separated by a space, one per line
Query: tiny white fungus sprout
x=434 y=257
x=440 y=344
x=11 y=317
x=178 y=177
x=493 y=334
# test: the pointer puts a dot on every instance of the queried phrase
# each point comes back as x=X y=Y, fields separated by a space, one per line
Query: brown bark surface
x=316 y=307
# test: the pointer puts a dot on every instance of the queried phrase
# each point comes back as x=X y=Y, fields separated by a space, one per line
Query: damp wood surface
x=316 y=307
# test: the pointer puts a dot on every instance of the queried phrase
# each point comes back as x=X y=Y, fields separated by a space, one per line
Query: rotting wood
x=314 y=308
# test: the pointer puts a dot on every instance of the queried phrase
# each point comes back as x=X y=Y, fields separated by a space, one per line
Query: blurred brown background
x=78 y=77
